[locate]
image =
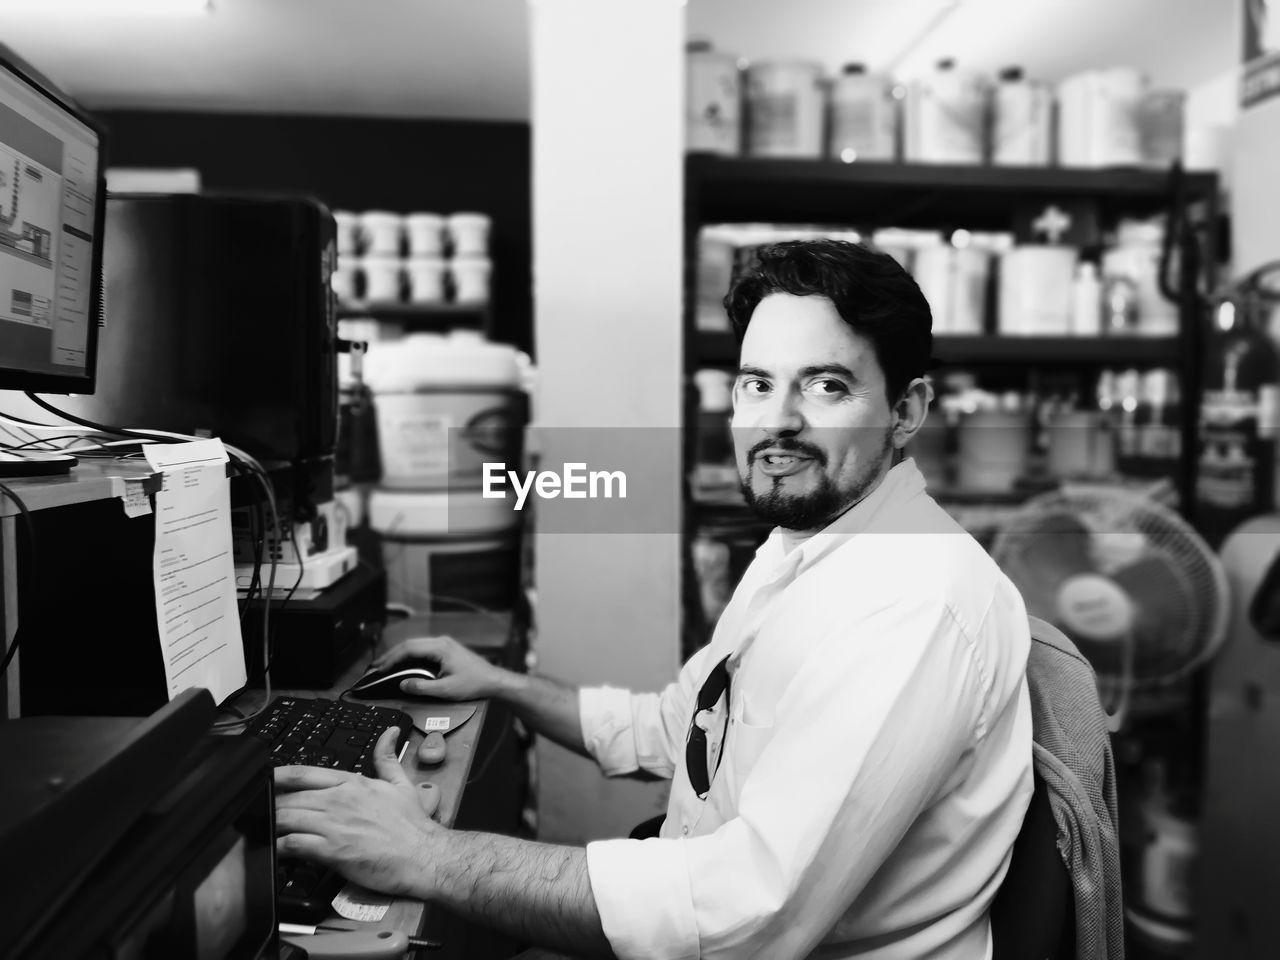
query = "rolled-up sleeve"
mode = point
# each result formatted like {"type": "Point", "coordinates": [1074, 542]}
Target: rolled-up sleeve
{"type": "Point", "coordinates": [864, 737]}
{"type": "Point", "coordinates": [625, 732]}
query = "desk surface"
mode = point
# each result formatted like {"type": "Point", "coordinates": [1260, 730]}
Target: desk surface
{"type": "Point", "coordinates": [452, 775]}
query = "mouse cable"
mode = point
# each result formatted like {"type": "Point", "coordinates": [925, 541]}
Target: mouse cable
{"type": "Point", "coordinates": [32, 564]}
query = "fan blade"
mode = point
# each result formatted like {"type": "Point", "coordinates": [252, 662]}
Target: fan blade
{"type": "Point", "coordinates": [1165, 615]}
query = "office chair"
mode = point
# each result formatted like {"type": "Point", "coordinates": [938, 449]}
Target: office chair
{"type": "Point", "coordinates": [1033, 914]}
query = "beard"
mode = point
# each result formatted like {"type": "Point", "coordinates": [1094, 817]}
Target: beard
{"type": "Point", "coordinates": [818, 507]}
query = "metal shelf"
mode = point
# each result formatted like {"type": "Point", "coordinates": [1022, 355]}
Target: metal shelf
{"type": "Point", "coordinates": [732, 189]}
{"type": "Point", "coordinates": [721, 350]}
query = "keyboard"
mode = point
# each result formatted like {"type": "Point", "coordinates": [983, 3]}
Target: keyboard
{"type": "Point", "coordinates": [326, 733]}
{"type": "Point", "coordinates": [320, 733]}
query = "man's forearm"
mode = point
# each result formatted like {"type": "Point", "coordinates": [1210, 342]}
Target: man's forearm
{"type": "Point", "coordinates": [536, 892]}
{"type": "Point", "coordinates": [548, 707]}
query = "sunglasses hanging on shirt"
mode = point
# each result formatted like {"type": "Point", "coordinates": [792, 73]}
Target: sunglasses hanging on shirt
{"type": "Point", "coordinates": [695, 750]}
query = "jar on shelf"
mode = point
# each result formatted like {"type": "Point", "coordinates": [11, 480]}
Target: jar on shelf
{"type": "Point", "coordinates": [864, 116]}
{"type": "Point", "coordinates": [1136, 257]}
{"type": "Point", "coordinates": [786, 107]}
{"type": "Point", "coordinates": [713, 100]}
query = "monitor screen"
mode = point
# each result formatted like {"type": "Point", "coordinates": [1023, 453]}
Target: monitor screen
{"type": "Point", "coordinates": [50, 235]}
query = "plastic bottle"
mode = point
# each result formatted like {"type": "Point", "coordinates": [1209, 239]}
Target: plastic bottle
{"type": "Point", "coordinates": [945, 117]}
{"type": "Point", "coordinates": [1120, 306]}
{"type": "Point", "coordinates": [1159, 436]}
{"type": "Point", "coordinates": [1127, 390]}
{"type": "Point", "coordinates": [1086, 301]}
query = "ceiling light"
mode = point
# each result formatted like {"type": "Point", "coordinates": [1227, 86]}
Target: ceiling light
{"type": "Point", "coordinates": [104, 9]}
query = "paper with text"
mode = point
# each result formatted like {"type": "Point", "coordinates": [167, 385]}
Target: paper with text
{"type": "Point", "coordinates": [194, 575]}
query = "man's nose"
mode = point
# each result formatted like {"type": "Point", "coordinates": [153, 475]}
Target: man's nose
{"type": "Point", "coordinates": [782, 416]}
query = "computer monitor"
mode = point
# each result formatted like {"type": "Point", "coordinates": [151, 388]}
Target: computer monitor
{"type": "Point", "coordinates": [52, 194]}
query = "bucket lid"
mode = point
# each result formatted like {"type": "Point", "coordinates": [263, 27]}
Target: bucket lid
{"type": "Point", "coordinates": [444, 514]}
{"type": "Point", "coordinates": [435, 360]}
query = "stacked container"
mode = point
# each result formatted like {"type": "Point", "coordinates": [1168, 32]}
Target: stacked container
{"type": "Point", "coordinates": [423, 259]}
{"type": "Point", "coordinates": [446, 406]}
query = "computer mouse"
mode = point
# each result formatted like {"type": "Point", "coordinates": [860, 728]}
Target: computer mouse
{"type": "Point", "coordinates": [385, 683]}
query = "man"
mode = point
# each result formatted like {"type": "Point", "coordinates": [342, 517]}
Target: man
{"type": "Point", "coordinates": [850, 755]}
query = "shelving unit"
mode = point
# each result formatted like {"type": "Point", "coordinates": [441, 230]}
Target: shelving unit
{"type": "Point", "coordinates": [866, 196]}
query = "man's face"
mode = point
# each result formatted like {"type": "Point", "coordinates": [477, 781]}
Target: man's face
{"type": "Point", "coordinates": [812, 426]}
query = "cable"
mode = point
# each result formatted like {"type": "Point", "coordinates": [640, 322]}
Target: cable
{"type": "Point", "coordinates": [80, 421]}
{"type": "Point", "coordinates": [33, 566]}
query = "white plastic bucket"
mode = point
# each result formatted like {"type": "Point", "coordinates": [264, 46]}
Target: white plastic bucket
{"type": "Point", "coordinates": [470, 279]}
{"type": "Point", "coordinates": [381, 279]}
{"type": "Point", "coordinates": [1037, 291]}
{"type": "Point", "coordinates": [1098, 119]}
{"type": "Point", "coordinates": [445, 406]}
{"type": "Point", "coordinates": [469, 233]}
{"type": "Point", "coordinates": [381, 230]}
{"type": "Point", "coordinates": [954, 281]}
{"type": "Point", "coordinates": [447, 550]}
{"type": "Point", "coordinates": [1022, 127]}
{"type": "Point", "coordinates": [426, 279]}
{"type": "Point", "coordinates": [425, 232]}
{"type": "Point", "coordinates": [944, 119]}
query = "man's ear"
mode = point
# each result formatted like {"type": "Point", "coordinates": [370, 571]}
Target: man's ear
{"type": "Point", "coordinates": [910, 411]}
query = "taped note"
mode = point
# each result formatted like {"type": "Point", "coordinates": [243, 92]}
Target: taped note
{"type": "Point", "coordinates": [196, 610]}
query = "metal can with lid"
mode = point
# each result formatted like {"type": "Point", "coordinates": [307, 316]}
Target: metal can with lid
{"type": "Point", "coordinates": [864, 116]}
{"type": "Point", "coordinates": [786, 105]}
{"type": "Point", "coordinates": [713, 101]}
{"type": "Point", "coordinates": [1022, 123]}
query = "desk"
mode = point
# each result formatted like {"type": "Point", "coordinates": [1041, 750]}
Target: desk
{"type": "Point", "coordinates": [490, 801]}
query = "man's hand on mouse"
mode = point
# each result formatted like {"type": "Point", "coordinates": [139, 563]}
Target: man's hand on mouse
{"type": "Point", "coordinates": [460, 673]}
{"type": "Point", "coordinates": [378, 833]}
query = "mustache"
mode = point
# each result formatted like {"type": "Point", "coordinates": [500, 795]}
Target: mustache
{"type": "Point", "coordinates": [789, 445]}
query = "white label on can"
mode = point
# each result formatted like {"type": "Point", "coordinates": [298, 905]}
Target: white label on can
{"type": "Point", "coordinates": [775, 120]}
{"type": "Point", "coordinates": [415, 444]}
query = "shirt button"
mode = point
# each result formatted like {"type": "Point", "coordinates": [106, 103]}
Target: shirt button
{"type": "Point", "coordinates": [685, 830]}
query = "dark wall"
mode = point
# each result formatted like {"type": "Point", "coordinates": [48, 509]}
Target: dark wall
{"type": "Point", "coordinates": [356, 163]}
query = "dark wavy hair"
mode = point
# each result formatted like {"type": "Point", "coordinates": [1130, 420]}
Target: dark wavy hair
{"type": "Point", "coordinates": [870, 291]}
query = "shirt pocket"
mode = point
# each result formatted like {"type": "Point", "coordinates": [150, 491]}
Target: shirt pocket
{"type": "Point", "coordinates": [744, 744]}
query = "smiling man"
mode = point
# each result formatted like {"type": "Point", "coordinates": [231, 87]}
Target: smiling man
{"type": "Point", "coordinates": [850, 756]}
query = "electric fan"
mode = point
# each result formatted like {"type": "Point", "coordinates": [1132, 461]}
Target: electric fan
{"type": "Point", "coordinates": [1130, 582]}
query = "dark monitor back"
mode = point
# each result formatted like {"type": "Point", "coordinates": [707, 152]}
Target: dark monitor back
{"type": "Point", "coordinates": [219, 319]}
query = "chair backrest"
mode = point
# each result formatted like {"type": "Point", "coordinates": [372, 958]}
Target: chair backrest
{"type": "Point", "coordinates": [1033, 915]}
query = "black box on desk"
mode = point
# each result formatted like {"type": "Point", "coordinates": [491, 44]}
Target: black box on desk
{"type": "Point", "coordinates": [317, 638]}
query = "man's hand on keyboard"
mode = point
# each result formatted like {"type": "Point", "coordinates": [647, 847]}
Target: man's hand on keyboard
{"type": "Point", "coordinates": [461, 674]}
{"type": "Point", "coordinates": [375, 832]}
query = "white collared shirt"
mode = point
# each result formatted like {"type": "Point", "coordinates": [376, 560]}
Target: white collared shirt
{"type": "Point", "coordinates": [877, 764]}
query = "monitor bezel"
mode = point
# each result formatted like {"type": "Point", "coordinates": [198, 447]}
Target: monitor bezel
{"type": "Point", "coordinates": [65, 383]}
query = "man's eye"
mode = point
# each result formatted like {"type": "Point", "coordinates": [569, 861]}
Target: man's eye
{"type": "Point", "coordinates": [829, 387]}
{"type": "Point", "coordinates": [756, 387]}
